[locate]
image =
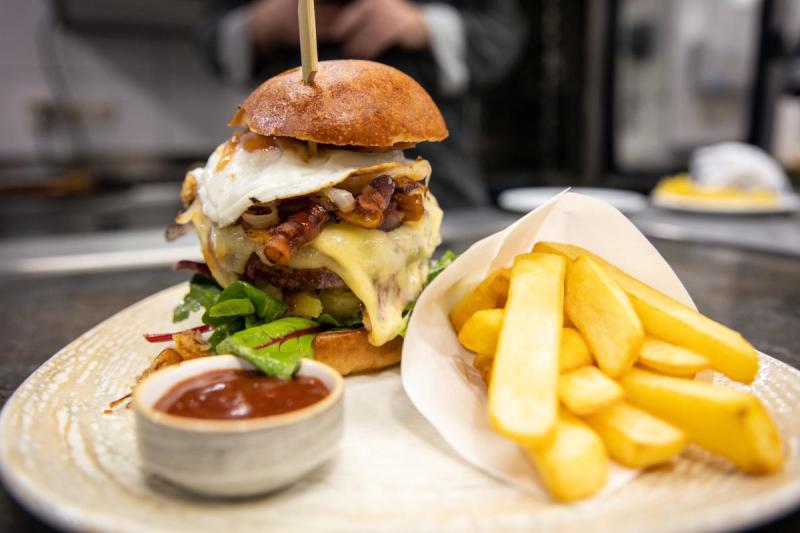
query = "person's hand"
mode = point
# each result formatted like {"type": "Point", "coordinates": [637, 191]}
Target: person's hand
{"type": "Point", "coordinates": [367, 28]}
{"type": "Point", "coordinates": [274, 22]}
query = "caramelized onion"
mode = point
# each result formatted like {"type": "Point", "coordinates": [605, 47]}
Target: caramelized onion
{"type": "Point", "coordinates": [342, 199]}
{"type": "Point", "coordinates": [261, 221]}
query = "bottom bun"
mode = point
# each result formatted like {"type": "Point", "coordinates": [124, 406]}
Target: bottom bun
{"type": "Point", "coordinates": [349, 351]}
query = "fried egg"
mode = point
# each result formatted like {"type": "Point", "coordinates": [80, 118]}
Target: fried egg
{"type": "Point", "coordinates": [234, 177]}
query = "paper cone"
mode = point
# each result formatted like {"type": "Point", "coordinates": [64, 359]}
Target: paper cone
{"type": "Point", "coordinates": [437, 372]}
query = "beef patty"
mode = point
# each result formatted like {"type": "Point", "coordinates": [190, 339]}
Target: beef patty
{"type": "Point", "coordinates": [307, 279]}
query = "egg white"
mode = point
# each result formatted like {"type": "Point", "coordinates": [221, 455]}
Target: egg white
{"type": "Point", "coordinates": [282, 171]}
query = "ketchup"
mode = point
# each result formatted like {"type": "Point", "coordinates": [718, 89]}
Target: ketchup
{"type": "Point", "coordinates": [235, 394]}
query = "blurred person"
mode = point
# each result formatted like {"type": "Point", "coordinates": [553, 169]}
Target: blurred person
{"type": "Point", "coordinates": [452, 48]}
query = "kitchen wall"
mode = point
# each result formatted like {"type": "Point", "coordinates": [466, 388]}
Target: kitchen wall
{"type": "Point", "coordinates": [137, 95]}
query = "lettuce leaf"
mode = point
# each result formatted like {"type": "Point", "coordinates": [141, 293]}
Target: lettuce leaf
{"type": "Point", "coordinates": [203, 293]}
{"type": "Point", "coordinates": [275, 348]}
{"type": "Point", "coordinates": [330, 320]}
{"type": "Point", "coordinates": [435, 267]}
{"type": "Point", "coordinates": [232, 307]}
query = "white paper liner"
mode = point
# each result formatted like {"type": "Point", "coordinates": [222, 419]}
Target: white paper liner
{"type": "Point", "coordinates": [437, 371]}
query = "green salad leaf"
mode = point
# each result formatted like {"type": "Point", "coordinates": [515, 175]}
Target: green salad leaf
{"type": "Point", "coordinates": [435, 267]}
{"type": "Point", "coordinates": [330, 320]}
{"type": "Point", "coordinates": [221, 332]}
{"type": "Point", "coordinates": [232, 307]}
{"type": "Point", "coordinates": [265, 306]}
{"type": "Point", "coordinates": [238, 306]}
{"type": "Point", "coordinates": [275, 348]}
{"type": "Point", "coordinates": [203, 292]}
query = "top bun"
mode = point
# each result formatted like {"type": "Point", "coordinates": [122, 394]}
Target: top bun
{"type": "Point", "coordinates": [349, 103]}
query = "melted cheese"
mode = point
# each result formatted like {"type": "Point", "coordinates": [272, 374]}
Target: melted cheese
{"type": "Point", "coordinates": [234, 178]}
{"type": "Point", "coordinates": [385, 270]}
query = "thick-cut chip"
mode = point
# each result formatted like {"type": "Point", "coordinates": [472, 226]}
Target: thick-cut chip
{"type": "Point", "coordinates": [636, 438]}
{"type": "Point", "coordinates": [574, 464]}
{"type": "Point", "coordinates": [481, 331]}
{"type": "Point", "coordinates": [482, 359]}
{"type": "Point", "coordinates": [601, 311]}
{"type": "Point", "coordinates": [574, 351]}
{"type": "Point", "coordinates": [671, 321]}
{"type": "Point", "coordinates": [725, 421]}
{"type": "Point", "coordinates": [484, 366]}
{"type": "Point", "coordinates": [670, 359]}
{"type": "Point", "coordinates": [587, 390]}
{"type": "Point", "coordinates": [489, 294]}
{"type": "Point", "coordinates": [523, 396]}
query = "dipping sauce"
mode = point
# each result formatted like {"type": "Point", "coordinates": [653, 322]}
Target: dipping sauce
{"type": "Point", "coordinates": [227, 394]}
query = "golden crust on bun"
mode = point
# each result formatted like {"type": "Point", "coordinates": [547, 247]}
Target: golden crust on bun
{"type": "Point", "coordinates": [350, 103]}
{"type": "Point", "coordinates": [349, 351]}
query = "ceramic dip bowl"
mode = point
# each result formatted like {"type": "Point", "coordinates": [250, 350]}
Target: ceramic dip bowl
{"type": "Point", "coordinates": [235, 457]}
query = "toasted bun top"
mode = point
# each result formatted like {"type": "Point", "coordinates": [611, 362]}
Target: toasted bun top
{"type": "Point", "coordinates": [350, 102]}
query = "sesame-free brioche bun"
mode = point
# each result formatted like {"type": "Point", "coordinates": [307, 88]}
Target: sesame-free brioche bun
{"type": "Point", "coordinates": [349, 103]}
{"type": "Point", "coordinates": [349, 351]}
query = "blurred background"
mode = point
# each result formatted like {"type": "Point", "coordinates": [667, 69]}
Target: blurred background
{"type": "Point", "coordinates": [106, 103]}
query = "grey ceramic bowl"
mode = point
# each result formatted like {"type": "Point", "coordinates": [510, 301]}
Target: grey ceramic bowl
{"type": "Point", "coordinates": [235, 457]}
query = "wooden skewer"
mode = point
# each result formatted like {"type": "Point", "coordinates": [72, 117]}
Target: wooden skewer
{"type": "Point", "coordinates": [308, 48]}
{"type": "Point", "coordinates": [308, 39]}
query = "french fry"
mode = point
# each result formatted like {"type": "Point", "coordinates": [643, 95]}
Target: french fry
{"type": "Point", "coordinates": [482, 359]}
{"type": "Point", "coordinates": [480, 333]}
{"type": "Point", "coordinates": [729, 422]}
{"type": "Point", "coordinates": [673, 322]}
{"type": "Point", "coordinates": [574, 351]}
{"type": "Point", "coordinates": [483, 363]}
{"type": "Point", "coordinates": [670, 359]}
{"type": "Point", "coordinates": [601, 311]}
{"type": "Point", "coordinates": [523, 396]}
{"type": "Point", "coordinates": [636, 438]}
{"type": "Point", "coordinates": [574, 464]}
{"type": "Point", "coordinates": [489, 294]}
{"type": "Point", "coordinates": [587, 390]}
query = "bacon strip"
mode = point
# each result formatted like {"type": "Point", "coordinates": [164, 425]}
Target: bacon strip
{"type": "Point", "coordinates": [371, 203]}
{"type": "Point", "coordinates": [300, 228]}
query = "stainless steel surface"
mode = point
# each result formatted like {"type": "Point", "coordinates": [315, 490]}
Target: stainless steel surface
{"type": "Point", "coordinates": [138, 249]}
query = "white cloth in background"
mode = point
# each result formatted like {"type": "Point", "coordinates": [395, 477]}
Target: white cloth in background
{"type": "Point", "coordinates": [737, 165]}
{"type": "Point", "coordinates": [234, 50]}
{"type": "Point", "coordinates": [448, 41]}
{"type": "Point", "coordinates": [446, 32]}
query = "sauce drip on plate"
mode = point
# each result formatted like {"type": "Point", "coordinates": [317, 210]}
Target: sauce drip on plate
{"type": "Point", "coordinates": [235, 394]}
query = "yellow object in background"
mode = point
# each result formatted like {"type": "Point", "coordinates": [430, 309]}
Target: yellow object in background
{"type": "Point", "coordinates": [636, 438]}
{"type": "Point", "coordinates": [682, 187]}
{"type": "Point", "coordinates": [729, 422]}
{"type": "Point", "coordinates": [523, 395]}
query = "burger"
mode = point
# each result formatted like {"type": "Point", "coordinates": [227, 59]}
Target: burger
{"type": "Point", "coordinates": [313, 201]}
